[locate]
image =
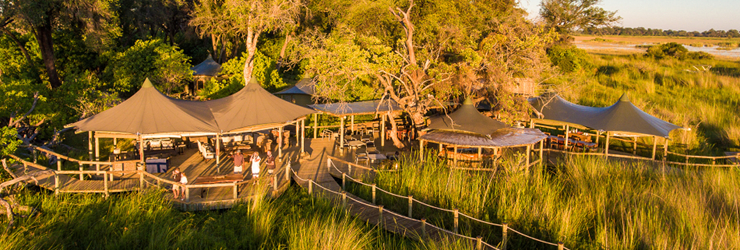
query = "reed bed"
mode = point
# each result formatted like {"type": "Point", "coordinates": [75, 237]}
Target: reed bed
{"type": "Point", "coordinates": [586, 203]}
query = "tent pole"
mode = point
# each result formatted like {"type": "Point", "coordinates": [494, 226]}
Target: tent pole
{"type": "Point", "coordinates": [655, 145]}
{"type": "Point", "coordinates": [480, 156]}
{"type": "Point", "coordinates": [665, 149]}
{"type": "Point", "coordinates": [141, 150]}
{"type": "Point", "coordinates": [303, 136]}
{"type": "Point", "coordinates": [218, 151]}
{"type": "Point", "coordinates": [606, 147]}
{"type": "Point", "coordinates": [280, 141]}
{"type": "Point", "coordinates": [115, 141]}
{"type": "Point", "coordinates": [89, 145]}
{"type": "Point", "coordinates": [97, 148]}
{"type": "Point", "coordinates": [421, 150]}
{"type": "Point", "coordinates": [315, 124]}
{"type": "Point", "coordinates": [598, 134]}
{"type": "Point", "coordinates": [382, 131]}
{"type": "Point", "coordinates": [529, 153]}
{"type": "Point", "coordinates": [567, 131]}
{"type": "Point", "coordinates": [531, 123]}
{"type": "Point", "coordinates": [341, 133]}
{"type": "Point", "coordinates": [297, 130]}
{"type": "Point", "coordinates": [542, 147]}
{"type": "Point", "coordinates": [352, 126]}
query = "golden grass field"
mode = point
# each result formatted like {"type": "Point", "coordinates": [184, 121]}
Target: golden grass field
{"type": "Point", "coordinates": [713, 41]}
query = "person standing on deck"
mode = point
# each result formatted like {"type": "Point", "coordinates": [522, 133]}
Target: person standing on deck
{"type": "Point", "coordinates": [255, 165]}
{"type": "Point", "coordinates": [238, 162]}
{"type": "Point", "coordinates": [270, 162]}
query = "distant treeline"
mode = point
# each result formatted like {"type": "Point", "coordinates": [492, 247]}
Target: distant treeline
{"type": "Point", "coordinates": [640, 31]}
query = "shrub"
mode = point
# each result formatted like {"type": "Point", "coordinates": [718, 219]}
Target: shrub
{"type": "Point", "coordinates": [570, 59]}
{"type": "Point", "coordinates": [667, 50]}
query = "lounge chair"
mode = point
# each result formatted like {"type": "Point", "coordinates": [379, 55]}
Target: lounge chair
{"type": "Point", "coordinates": [206, 151]}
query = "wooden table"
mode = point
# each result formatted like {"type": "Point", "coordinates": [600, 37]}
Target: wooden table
{"type": "Point", "coordinates": [214, 179]}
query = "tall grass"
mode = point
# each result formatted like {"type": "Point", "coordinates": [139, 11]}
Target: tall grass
{"type": "Point", "coordinates": [587, 202]}
{"type": "Point", "coordinates": [147, 221]}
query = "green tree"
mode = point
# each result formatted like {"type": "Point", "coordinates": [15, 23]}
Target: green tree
{"type": "Point", "coordinates": [165, 65]}
{"type": "Point", "coordinates": [567, 15]}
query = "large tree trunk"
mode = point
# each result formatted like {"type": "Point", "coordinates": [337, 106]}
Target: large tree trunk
{"type": "Point", "coordinates": [252, 37]}
{"type": "Point", "coordinates": [46, 46]}
{"type": "Point", "coordinates": [282, 51]}
{"type": "Point", "coordinates": [394, 131]}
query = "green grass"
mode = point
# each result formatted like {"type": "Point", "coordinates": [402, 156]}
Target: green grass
{"type": "Point", "coordinates": [146, 221]}
{"type": "Point", "coordinates": [588, 203]}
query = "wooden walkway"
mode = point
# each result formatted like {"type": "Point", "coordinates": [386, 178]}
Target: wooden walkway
{"type": "Point", "coordinates": [314, 167]}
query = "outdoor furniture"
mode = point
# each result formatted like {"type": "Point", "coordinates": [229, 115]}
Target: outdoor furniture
{"type": "Point", "coordinates": [327, 134]}
{"type": "Point", "coordinates": [361, 157]}
{"type": "Point", "coordinates": [355, 144]}
{"type": "Point", "coordinates": [371, 150]}
{"type": "Point", "coordinates": [376, 157]}
{"type": "Point", "coordinates": [206, 151]}
{"type": "Point", "coordinates": [156, 165]}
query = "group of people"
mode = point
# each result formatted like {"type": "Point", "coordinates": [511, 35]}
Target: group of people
{"type": "Point", "coordinates": [255, 160]}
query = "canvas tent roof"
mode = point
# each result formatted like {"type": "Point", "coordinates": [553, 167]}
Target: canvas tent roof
{"type": "Point", "coordinates": [305, 86]}
{"type": "Point", "coordinates": [622, 116]}
{"type": "Point", "coordinates": [208, 67]}
{"type": "Point", "coordinates": [466, 119]}
{"type": "Point", "coordinates": [505, 137]}
{"type": "Point", "coordinates": [151, 112]}
{"type": "Point", "coordinates": [357, 108]}
{"type": "Point", "coordinates": [253, 106]}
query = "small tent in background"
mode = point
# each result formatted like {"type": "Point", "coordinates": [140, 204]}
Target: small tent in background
{"type": "Point", "coordinates": [301, 93]}
{"type": "Point", "coordinates": [203, 72]}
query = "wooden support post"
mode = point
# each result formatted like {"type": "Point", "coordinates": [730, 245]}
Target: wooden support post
{"type": "Point", "coordinates": [561, 246]}
{"type": "Point", "coordinates": [606, 146]}
{"type": "Point", "coordinates": [542, 150]}
{"type": "Point", "coordinates": [454, 155]}
{"type": "Point", "coordinates": [187, 193]}
{"type": "Point", "coordinates": [352, 124]}
{"type": "Point", "coordinates": [315, 125]}
{"type": "Point", "coordinates": [141, 151]}
{"type": "Point", "coordinates": [423, 227]}
{"type": "Point", "coordinates": [236, 191]}
{"type": "Point", "coordinates": [341, 133]}
{"type": "Point", "coordinates": [287, 171]}
{"type": "Point", "coordinates": [218, 153]}
{"type": "Point", "coordinates": [480, 154]}
{"type": "Point", "coordinates": [81, 176]}
{"type": "Point", "coordinates": [504, 235]}
{"type": "Point", "coordinates": [344, 200]}
{"type": "Point", "coordinates": [598, 134]}
{"type": "Point", "coordinates": [97, 149]}
{"type": "Point", "coordinates": [303, 137]}
{"type": "Point", "coordinates": [665, 149]}
{"type": "Point", "coordinates": [411, 204]}
{"type": "Point", "coordinates": [115, 142]}
{"type": "Point", "coordinates": [297, 132]}
{"type": "Point", "coordinates": [280, 142]}
{"type": "Point", "coordinates": [274, 183]}
{"type": "Point", "coordinates": [457, 213]}
{"type": "Point", "coordinates": [421, 150]}
{"type": "Point", "coordinates": [89, 144]}
{"type": "Point", "coordinates": [634, 146]}
{"type": "Point", "coordinates": [59, 164]}
{"type": "Point", "coordinates": [344, 180]}
{"type": "Point", "coordinates": [105, 186]}
{"type": "Point", "coordinates": [531, 124]}
{"type": "Point", "coordinates": [567, 134]}
{"type": "Point", "coordinates": [380, 215]}
{"type": "Point", "coordinates": [655, 146]}
{"type": "Point", "coordinates": [310, 186]}
{"type": "Point", "coordinates": [529, 153]}
{"type": "Point", "coordinates": [56, 184]}
{"type": "Point", "coordinates": [382, 130]}
{"type": "Point", "coordinates": [141, 180]}
{"type": "Point", "coordinates": [374, 187]}
{"type": "Point", "coordinates": [478, 243]}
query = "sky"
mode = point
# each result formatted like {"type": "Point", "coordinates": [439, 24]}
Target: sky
{"type": "Point", "coordinates": [689, 15]}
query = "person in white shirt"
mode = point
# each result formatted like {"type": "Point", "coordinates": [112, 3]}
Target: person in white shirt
{"type": "Point", "coordinates": [183, 181]}
{"type": "Point", "coordinates": [255, 165]}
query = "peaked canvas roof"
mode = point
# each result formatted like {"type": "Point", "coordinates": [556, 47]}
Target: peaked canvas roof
{"type": "Point", "coordinates": [357, 108]}
{"type": "Point", "coordinates": [466, 119]}
{"type": "Point", "coordinates": [622, 116]}
{"type": "Point", "coordinates": [253, 106]}
{"type": "Point", "coordinates": [505, 137]}
{"type": "Point", "coordinates": [208, 67]}
{"type": "Point", "coordinates": [305, 86]}
{"type": "Point", "coordinates": [150, 112]}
